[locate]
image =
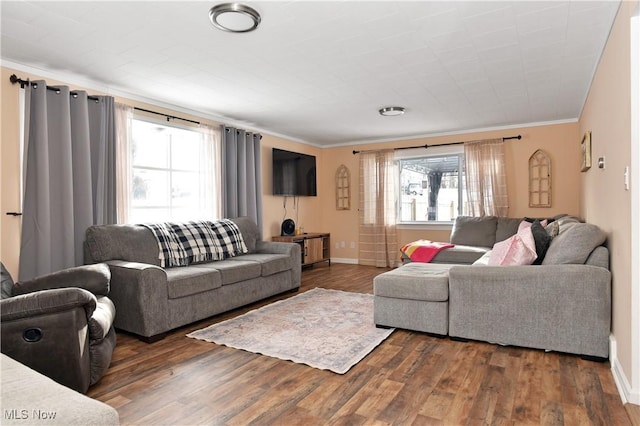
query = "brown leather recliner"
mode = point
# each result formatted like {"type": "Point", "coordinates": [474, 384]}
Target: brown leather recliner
{"type": "Point", "coordinates": [60, 324]}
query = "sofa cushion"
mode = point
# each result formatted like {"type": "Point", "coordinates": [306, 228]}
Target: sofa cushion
{"type": "Point", "coordinates": [574, 243]}
{"type": "Point", "coordinates": [133, 243]}
{"type": "Point", "coordinates": [187, 280]}
{"type": "Point", "coordinates": [249, 230]}
{"type": "Point", "coordinates": [519, 249]}
{"type": "Point", "coordinates": [475, 231]}
{"type": "Point", "coordinates": [506, 227]}
{"type": "Point", "coordinates": [236, 270]}
{"type": "Point", "coordinates": [414, 281]}
{"type": "Point", "coordinates": [269, 263]}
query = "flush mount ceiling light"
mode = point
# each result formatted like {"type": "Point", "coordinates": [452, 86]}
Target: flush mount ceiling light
{"type": "Point", "coordinates": [234, 17]}
{"type": "Point", "coordinates": [391, 111]}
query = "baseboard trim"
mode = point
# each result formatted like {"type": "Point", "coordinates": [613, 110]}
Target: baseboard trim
{"type": "Point", "coordinates": [627, 393]}
{"type": "Point", "coordinates": [347, 260]}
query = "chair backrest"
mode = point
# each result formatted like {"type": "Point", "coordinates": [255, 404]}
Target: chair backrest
{"type": "Point", "coordinates": [7, 282]}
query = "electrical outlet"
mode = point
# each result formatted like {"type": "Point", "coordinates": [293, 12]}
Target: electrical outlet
{"type": "Point", "coordinates": [342, 244]}
{"type": "Point", "coordinates": [353, 244]}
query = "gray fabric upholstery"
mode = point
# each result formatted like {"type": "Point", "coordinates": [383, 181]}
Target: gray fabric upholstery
{"type": "Point", "coordinates": [269, 263]}
{"type": "Point", "coordinates": [134, 243]}
{"type": "Point", "coordinates": [413, 297]}
{"type": "Point", "coordinates": [564, 308]}
{"type": "Point", "coordinates": [507, 227]}
{"type": "Point", "coordinates": [428, 317]}
{"type": "Point", "coordinates": [94, 278]}
{"type": "Point", "coordinates": [249, 231]}
{"type": "Point", "coordinates": [475, 231]}
{"type": "Point", "coordinates": [151, 300]}
{"type": "Point", "coordinates": [574, 243]}
{"type": "Point", "coordinates": [6, 281]}
{"type": "Point", "coordinates": [416, 281]}
{"type": "Point", "coordinates": [26, 392]}
{"type": "Point", "coordinates": [236, 270]}
{"type": "Point", "coordinates": [66, 322]}
{"type": "Point", "coordinates": [196, 279]}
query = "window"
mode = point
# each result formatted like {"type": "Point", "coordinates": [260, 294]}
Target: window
{"type": "Point", "coordinates": [431, 187]}
{"type": "Point", "coordinates": [171, 173]}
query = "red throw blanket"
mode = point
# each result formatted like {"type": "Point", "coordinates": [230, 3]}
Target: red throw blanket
{"type": "Point", "coordinates": [424, 250]}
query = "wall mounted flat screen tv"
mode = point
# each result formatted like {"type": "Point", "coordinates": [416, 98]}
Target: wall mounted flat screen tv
{"type": "Point", "coordinates": [294, 174]}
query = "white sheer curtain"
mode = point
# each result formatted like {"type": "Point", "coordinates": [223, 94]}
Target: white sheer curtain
{"type": "Point", "coordinates": [211, 165]}
{"type": "Point", "coordinates": [378, 194]}
{"type": "Point", "coordinates": [124, 116]}
{"type": "Point", "coordinates": [486, 181]}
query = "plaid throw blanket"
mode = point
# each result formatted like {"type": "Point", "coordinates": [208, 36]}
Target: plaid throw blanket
{"type": "Point", "coordinates": [171, 252]}
{"type": "Point", "coordinates": [185, 243]}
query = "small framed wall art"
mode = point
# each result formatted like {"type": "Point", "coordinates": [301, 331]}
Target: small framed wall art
{"type": "Point", "coordinates": [585, 146]}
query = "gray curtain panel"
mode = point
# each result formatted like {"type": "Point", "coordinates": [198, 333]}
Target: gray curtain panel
{"type": "Point", "coordinates": [69, 176]}
{"type": "Point", "coordinates": [241, 174]}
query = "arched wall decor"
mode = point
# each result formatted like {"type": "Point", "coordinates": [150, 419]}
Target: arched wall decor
{"type": "Point", "coordinates": [539, 179]}
{"type": "Point", "coordinates": [343, 188]}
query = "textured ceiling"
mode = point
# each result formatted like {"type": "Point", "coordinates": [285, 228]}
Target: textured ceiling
{"type": "Point", "coordinates": [319, 71]}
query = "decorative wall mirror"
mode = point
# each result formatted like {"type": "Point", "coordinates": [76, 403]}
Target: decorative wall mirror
{"type": "Point", "coordinates": [343, 188]}
{"type": "Point", "coordinates": [539, 179]}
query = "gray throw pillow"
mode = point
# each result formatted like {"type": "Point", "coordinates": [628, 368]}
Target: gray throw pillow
{"type": "Point", "coordinates": [574, 243]}
{"type": "Point", "coordinates": [475, 231]}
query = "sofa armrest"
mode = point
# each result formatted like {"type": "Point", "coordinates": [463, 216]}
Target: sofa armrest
{"type": "Point", "coordinates": [94, 278]}
{"type": "Point", "coordinates": [48, 331]}
{"type": "Point", "coordinates": [140, 295]}
{"type": "Point", "coordinates": [47, 302]}
{"type": "Point", "coordinates": [273, 247]}
{"type": "Point", "coordinates": [291, 249]}
{"type": "Point", "coordinates": [565, 308]}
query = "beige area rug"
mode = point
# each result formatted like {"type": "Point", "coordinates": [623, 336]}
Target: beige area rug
{"type": "Point", "coordinates": [326, 329]}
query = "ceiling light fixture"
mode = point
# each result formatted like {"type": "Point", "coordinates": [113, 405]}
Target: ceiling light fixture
{"type": "Point", "coordinates": [391, 111]}
{"type": "Point", "coordinates": [234, 17]}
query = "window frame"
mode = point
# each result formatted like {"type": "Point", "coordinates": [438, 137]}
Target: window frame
{"type": "Point", "coordinates": [169, 169]}
{"type": "Point", "coordinates": [431, 151]}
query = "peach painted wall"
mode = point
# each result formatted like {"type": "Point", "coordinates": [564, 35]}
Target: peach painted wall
{"type": "Point", "coordinates": [305, 211]}
{"type": "Point", "coordinates": [560, 141]}
{"type": "Point", "coordinates": [605, 202]}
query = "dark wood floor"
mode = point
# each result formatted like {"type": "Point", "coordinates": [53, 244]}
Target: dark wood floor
{"type": "Point", "coordinates": [410, 379]}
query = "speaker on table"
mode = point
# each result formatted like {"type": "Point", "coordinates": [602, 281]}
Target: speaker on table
{"type": "Point", "coordinates": [288, 227]}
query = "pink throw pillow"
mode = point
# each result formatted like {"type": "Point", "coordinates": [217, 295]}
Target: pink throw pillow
{"type": "Point", "coordinates": [519, 249]}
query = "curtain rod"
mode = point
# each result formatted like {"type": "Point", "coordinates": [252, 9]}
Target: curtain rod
{"type": "Point", "coordinates": [169, 117]}
{"type": "Point", "coordinates": [14, 79]}
{"type": "Point", "coordinates": [427, 146]}
{"type": "Point", "coordinates": [23, 83]}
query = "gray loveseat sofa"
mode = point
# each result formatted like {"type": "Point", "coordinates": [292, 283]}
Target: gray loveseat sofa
{"type": "Point", "coordinates": [151, 300]}
{"type": "Point", "coordinates": [563, 305]}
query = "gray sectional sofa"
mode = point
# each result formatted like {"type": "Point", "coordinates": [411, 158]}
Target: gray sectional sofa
{"type": "Point", "coordinates": [151, 300]}
{"type": "Point", "coordinates": [563, 305]}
